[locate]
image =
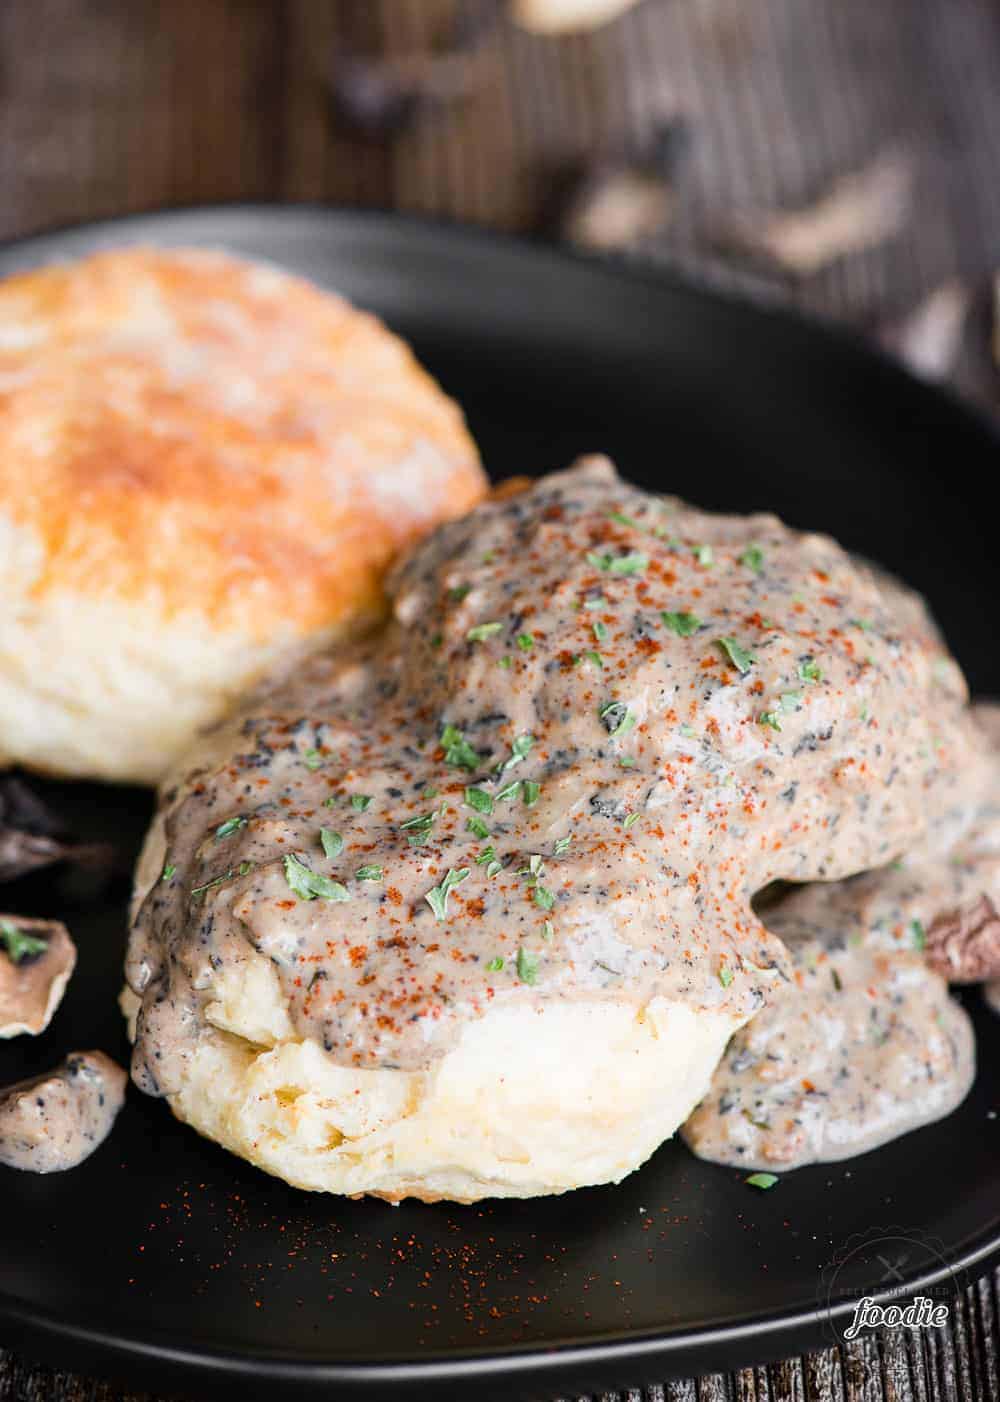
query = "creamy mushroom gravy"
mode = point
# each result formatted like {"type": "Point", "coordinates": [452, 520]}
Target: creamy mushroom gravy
{"type": "Point", "coordinates": [598, 722]}
{"type": "Point", "coordinates": [54, 1121]}
{"type": "Point", "coordinates": [864, 1043]}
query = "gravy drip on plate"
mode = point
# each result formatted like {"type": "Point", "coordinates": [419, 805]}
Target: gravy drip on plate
{"type": "Point", "coordinates": [598, 722]}
{"type": "Point", "coordinates": [864, 1043]}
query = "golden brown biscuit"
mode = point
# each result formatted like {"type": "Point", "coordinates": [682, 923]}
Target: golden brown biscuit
{"type": "Point", "coordinates": [205, 465]}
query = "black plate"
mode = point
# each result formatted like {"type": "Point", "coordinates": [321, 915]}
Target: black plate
{"type": "Point", "coordinates": [165, 1260]}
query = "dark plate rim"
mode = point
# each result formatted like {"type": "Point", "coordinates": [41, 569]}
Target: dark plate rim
{"type": "Point", "coordinates": [678, 1352]}
{"type": "Point", "coordinates": [779, 1330]}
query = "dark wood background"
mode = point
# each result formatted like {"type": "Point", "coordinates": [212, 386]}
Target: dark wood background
{"type": "Point", "coordinates": [108, 106]}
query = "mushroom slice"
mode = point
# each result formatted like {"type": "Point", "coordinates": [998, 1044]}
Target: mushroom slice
{"type": "Point", "coordinates": [54, 1121]}
{"type": "Point", "coordinates": [37, 958]}
{"type": "Point", "coordinates": [963, 945]}
{"type": "Point", "coordinates": [860, 210]}
{"type": "Point", "coordinates": [567, 16]}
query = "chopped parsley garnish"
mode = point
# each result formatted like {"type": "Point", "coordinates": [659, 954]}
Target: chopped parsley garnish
{"type": "Point", "coordinates": [530, 791]}
{"type": "Point", "coordinates": [544, 898]}
{"type": "Point", "coordinates": [527, 966]}
{"type": "Point", "coordinates": [617, 718]}
{"type": "Point", "coordinates": [19, 945]}
{"type": "Point", "coordinates": [418, 827]}
{"type": "Point", "coordinates": [369, 873]}
{"type": "Point", "coordinates": [479, 799]}
{"type": "Point", "coordinates": [457, 751]}
{"type": "Point", "coordinates": [360, 801]}
{"type": "Point", "coordinates": [753, 558]}
{"type": "Point", "coordinates": [313, 759]}
{"type": "Point", "coordinates": [525, 642]}
{"type": "Point", "coordinates": [333, 843]}
{"type": "Point", "coordinates": [505, 662]}
{"type": "Point", "coordinates": [486, 855]}
{"type": "Point", "coordinates": [519, 750]}
{"type": "Point", "coordinates": [597, 602]}
{"type": "Point", "coordinates": [495, 965]}
{"type": "Point", "coordinates": [683, 624]}
{"type": "Point", "coordinates": [861, 623]}
{"type": "Point", "coordinates": [561, 845]}
{"type": "Point", "coordinates": [762, 1180]}
{"type": "Point", "coordinates": [494, 869]}
{"type": "Point", "coordinates": [309, 885]}
{"type": "Point", "coordinates": [632, 819]}
{"type": "Point", "coordinates": [477, 827]}
{"type": "Point", "coordinates": [437, 896]}
{"type": "Point", "coordinates": [769, 718]}
{"type": "Point", "coordinates": [231, 825]}
{"type": "Point", "coordinates": [705, 556]}
{"type": "Point", "coordinates": [511, 790]}
{"type": "Point", "coordinates": [633, 563]}
{"type": "Point", "coordinates": [919, 934]}
{"type": "Point", "coordinates": [791, 700]}
{"type": "Point", "coordinates": [600, 631]}
{"type": "Point", "coordinates": [738, 656]}
{"type": "Point", "coordinates": [168, 871]}
{"type": "Point", "coordinates": [482, 631]}
{"type": "Point", "coordinates": [725, 975]}
{"type": "Point", "coordinates": [624, 520]}
{"type": "Point", "coordinates": [241, 870]}
{"type": "Point", "coordinates": [548, 931]}
{"type": "Point", "coordinates": [809, 671]}
{"type": "Point", "coordinates": [459, 592]}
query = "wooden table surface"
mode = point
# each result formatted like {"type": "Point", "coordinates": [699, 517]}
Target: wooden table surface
{"type": "Point", "coordinates": [108, 106]}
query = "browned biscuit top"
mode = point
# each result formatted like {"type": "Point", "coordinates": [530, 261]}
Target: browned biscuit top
{"type": "Point", "coordinates": [216, 436]}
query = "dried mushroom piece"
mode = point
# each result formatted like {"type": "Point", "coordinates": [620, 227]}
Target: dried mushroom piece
{"type": "Point", "coordinates": [623, 195]}
{"type": "Point", "coordinates": [858, 211]}
{"type": "Point", "coordinates": [37, 958]}
{"type": "Point", "coordinates": [566, 16]}
{"type": "Point", "coordinates": [616, 206]}
{"type": "Point", "coordinates": [32, 836]}
{"type": "Point", "coordinates": [54, 1121]}
{"type": "Point", "coordinates": [379, 94]}
{"type": "Point", "coordinates": [963, 945]}
{"type": "Point", "coordinates": [929, 339]}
